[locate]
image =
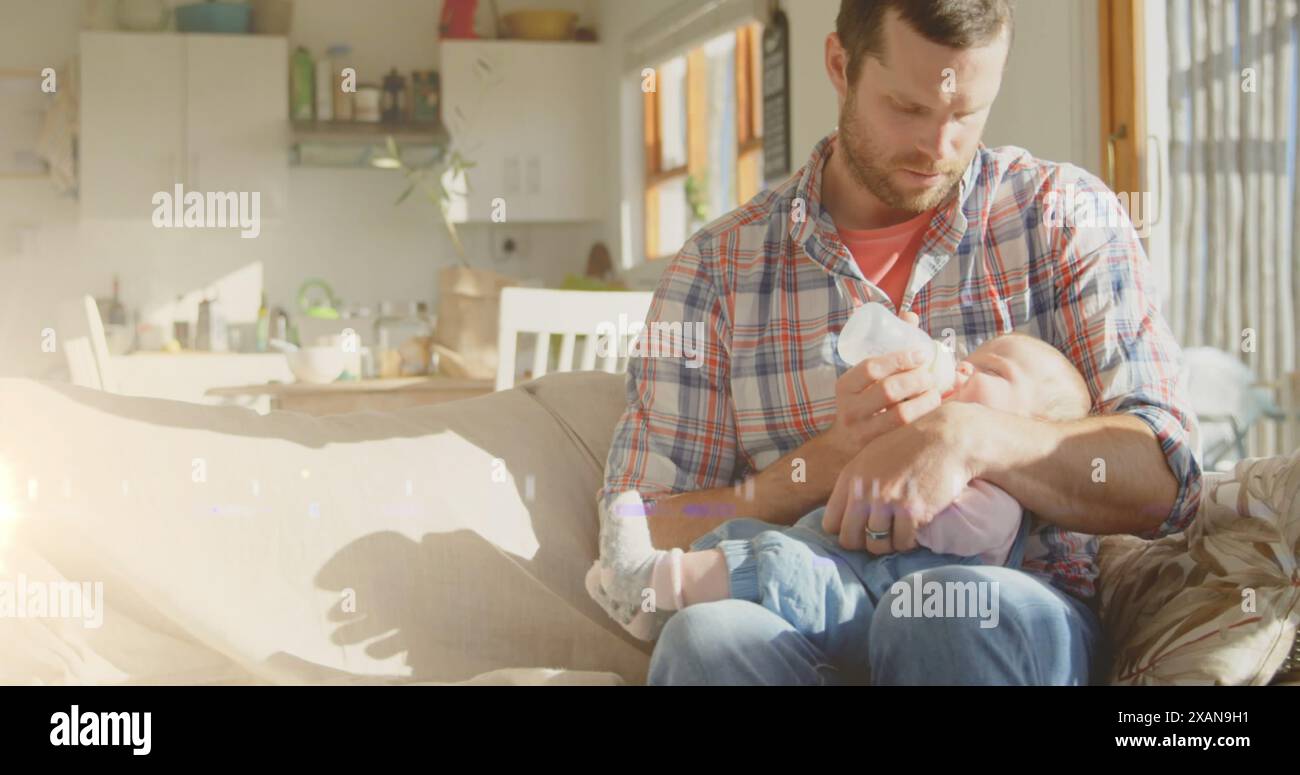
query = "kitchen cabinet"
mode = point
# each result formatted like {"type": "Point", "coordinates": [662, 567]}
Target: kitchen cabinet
{"type": "Point", "coordinates": [530, 117]}
{"type": "Point", "coordinates": [209, 112]}
{"type": "Point", "coordinates": [132, 121]}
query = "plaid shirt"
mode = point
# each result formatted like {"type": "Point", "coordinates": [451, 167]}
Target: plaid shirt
{"type": "Point", "coordinates": [772, 285]}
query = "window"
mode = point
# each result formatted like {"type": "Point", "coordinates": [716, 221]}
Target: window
{"type": "Point", "coordinates": [703, 137]}
{"type": "Point", "coordinates": [1221, 95]}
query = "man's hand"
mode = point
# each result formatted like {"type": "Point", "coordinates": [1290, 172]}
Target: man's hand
{"type": "Point", "coordinates": [878, 395]}
{"type": "Point", "coordinates": [902, 479]}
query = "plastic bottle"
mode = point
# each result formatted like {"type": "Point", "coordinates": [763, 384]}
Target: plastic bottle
{"type": "Point", "coordinates": [302, 86]}
{"type": "Point", "coordinates": [220, 336]}
{"type": "Point", "coordinates": [324, 89]}
{"type": "Point", "coordinates": [340, 54]}
{"type": "Point", "coordinates": [263, 326]}
{"type": "Point", "coordinates": [116, 312]}
{"type": "Point", "coordinates": [203, 327]}
{"type": "Point", "coordinates": [873, 330]}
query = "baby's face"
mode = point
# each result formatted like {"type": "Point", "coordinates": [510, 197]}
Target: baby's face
{"type": "Point", "coordinates": [1001, 374]}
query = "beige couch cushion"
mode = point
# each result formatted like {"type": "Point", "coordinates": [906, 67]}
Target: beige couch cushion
{"type": "Point", "coordinates": [431, 544]}
{"type": "Point", "coordinates": [1218, 604]}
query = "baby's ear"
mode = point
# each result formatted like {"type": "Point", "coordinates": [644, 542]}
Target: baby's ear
{"type": "Point", "coordinates": [910, 318]}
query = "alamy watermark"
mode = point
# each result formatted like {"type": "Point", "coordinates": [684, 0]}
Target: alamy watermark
{"type": "Point", "coordinates": [916, 598]}
{"type": "Point", "coordinates": [1099, 209]}
{"type": "Point", "coordinates": [181, 209]}
{"type": "Point", "coordinates": [29, 599]}
{"type": "Point", "coordinates": [633, 339]}
{"type": "Point", "coordinates": [78, 727]}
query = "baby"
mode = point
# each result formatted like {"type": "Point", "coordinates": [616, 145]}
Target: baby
{"type": "Point", "coordinates": [801, 573]}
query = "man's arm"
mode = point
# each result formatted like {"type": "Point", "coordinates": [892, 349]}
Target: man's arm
{"type": "Point", "coordinates": [1099, 475]}
{"type": "Point", "coordinates": [772, 495]}
{"type": "Point", "coordinates": [1107, 321]}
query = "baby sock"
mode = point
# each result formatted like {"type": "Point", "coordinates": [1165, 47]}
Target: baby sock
{"type": "Point", "coordinates": [629, 565]}
{"type": "Point", "coordinates": [642, 624]}
{"type": "Point", "coordinates": [627, 557]}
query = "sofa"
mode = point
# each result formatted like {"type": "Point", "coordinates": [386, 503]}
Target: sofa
{"type": "Point", "coordinates": [444, 544]}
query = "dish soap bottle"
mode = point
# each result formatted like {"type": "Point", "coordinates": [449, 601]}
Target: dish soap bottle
{"type": "Point", "coordinates": [220, 337]}
{"type": "Point", "coordinates": [302, 80]}
{"type": "Point", "coordinates": [203, 326]}
{"type": "Point", "coordinates": [263, 325]}
{"type": "Point", "coordinates": [873, 330]}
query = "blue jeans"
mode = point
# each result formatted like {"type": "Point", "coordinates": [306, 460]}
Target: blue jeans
{"type": "Point", "coordinates": [806, 611]}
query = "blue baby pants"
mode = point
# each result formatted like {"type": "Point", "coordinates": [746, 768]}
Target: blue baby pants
{"type": "Point", "coordinates": [830, 594]}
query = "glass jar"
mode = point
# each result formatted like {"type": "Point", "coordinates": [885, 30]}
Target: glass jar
{"type": "Point", "coordinates": [358, 330]}
{"type": "Point", "coordinates": [403, 340]}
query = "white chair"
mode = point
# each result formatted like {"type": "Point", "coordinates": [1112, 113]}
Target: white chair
{"type": "Point", "coordinates": [544, 312]}
{"type": "Point", "coordinates": [81, 335]}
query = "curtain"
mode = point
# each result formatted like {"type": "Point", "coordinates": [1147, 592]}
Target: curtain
{"type": "Point", "coordinates": [1235, 235]}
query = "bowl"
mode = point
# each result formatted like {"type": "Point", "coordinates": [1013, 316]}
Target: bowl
{"type": "Point", "coordinates": [214, 17]}
{"type": "Point", "coordinates": [142, 15]}
{"type": "Point", "coordinates": [317, 365]}
{"type": "Point", "coordinates": [540, 25]}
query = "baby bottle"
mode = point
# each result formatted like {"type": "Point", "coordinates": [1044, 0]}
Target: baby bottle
{"type": "Point", "coordinates": [873, 330]}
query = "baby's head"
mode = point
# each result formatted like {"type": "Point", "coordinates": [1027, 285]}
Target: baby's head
{"type": "Point", "coordinates": [1019, 374]}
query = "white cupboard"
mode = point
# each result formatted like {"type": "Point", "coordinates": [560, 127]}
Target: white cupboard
{"type": "Point", "coordinates": [529, 115]}
{"type": "Point", "coordinates": [209, 112]}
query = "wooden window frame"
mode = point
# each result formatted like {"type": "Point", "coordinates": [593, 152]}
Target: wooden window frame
{"type": "Point", "coordinates": [749, 109]}
{"type": "Point", "coordinates": [1123, 94]}
{"type": "Point", "coordinates": [749, 140]}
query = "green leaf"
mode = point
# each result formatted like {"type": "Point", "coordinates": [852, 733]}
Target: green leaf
{"type": "Point", "coordinates": [451, 230]}
{"type": "Point", "coordinates": [429, 179]}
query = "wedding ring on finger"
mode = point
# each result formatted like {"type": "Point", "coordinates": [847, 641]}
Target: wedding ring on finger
{"type": "Point", "coordinates": [878, 535]}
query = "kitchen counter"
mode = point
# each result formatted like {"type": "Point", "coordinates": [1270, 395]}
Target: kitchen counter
{"type": "Point", "coordinates": [189, 374]}
{"type": "Point", "coordinates": [366, 395]}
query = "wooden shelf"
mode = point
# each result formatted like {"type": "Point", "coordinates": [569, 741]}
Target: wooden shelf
{"type": "Point", "coordinates": [406, 132]}
{"type": "Point", "coordinates": [368, 395]}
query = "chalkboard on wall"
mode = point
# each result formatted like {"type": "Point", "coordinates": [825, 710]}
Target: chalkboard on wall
{"type": "Point", "coordinates": [776, 98]}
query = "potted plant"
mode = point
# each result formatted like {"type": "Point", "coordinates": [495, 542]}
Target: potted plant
{"type": "Point", "coordinates": [469, 299]}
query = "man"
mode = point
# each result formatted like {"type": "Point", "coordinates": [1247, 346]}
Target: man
{"type": "Point", "coordinates": [904, 206]}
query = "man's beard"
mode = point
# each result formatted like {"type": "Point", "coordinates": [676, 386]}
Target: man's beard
{"type": "Point", "coordinates": [863, 161]}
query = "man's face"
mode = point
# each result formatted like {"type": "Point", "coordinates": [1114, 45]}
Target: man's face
{"type": "Point", "coordinates": [910, 124]}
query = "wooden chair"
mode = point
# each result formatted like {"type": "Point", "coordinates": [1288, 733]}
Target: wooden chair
{"type": "Point", "coordinates": [81, 335]}
{"type": "Point", "coordinates": [570, 314]}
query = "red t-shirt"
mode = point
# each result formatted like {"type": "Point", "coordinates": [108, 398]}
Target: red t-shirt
{"type": "Point", "coordinates": [886, 255]}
